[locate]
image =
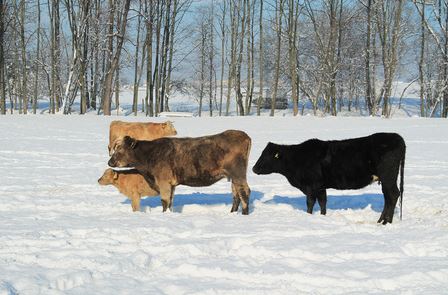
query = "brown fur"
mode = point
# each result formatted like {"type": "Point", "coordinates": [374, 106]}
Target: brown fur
{"type": "Point", "coordinates": [139, 130]}
{"type": "Point", "coordinates": [130, 183]}
{"type": "Point", "coordinates": [202, 161]}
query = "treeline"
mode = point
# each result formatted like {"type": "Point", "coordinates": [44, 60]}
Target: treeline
{"type": "Point", "coordinates": [328, 55]}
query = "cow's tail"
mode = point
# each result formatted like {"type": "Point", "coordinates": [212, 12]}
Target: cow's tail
{"type": "Point", "coordinates": [402, 182]}
{"type": "Point", "coordinates": [249, 146]}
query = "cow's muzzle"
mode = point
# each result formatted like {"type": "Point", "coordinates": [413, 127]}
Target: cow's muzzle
{"type": "Point", "coordinates": [255, 170]}
{"type": "Point", "coordinates": [112, 163]}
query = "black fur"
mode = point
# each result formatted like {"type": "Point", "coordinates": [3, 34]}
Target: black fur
{"type": "Point", "coordinates": [315, 165]}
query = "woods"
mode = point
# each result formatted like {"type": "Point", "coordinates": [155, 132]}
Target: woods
{"type": "Point", "coordinates": [231, 56]}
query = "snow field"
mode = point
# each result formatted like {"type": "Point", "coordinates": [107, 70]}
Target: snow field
{"type": "Point", "coordinates": [62, 233]}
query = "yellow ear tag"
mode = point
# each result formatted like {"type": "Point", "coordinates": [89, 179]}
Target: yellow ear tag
{"type": "Point", "coordinates": [276, 156]}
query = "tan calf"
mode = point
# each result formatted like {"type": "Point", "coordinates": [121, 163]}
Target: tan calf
{"type": "Point", "coordinates": [130, 183]}
{"type": "Point", "coordinates": [139, 131]}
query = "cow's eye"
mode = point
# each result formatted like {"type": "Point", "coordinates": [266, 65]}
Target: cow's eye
{"type": "Point", "coordinates": [276, 156]}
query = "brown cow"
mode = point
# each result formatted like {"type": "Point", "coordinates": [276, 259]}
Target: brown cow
{"type": "Point", "coordinates": [202, 161]}
{"type": "Point", "coordinates": [130, 183]}
{"type": "Point", "coordinates": [139, 130]}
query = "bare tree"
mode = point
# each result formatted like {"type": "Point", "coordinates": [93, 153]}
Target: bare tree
{"type": "Point", "coordinates": [389, 15]}
{"type": "Point", "coordinates": [260, 66]}
{"type": "Point", "coordinates": [211, 55]}
{"type": "Point", "coordinates": [233, 10]}
{"type": "Point", "coordinates": [422, 61]}
{"type": "Point", "coordinates": [278, 28]}
{"type": "Point", "coordinates": [222, 26]}
{"type": "Point", "coordinates": [55, 24]}
{"type": "Point", "coordinates": [436, 24]}
{"type": "Point", "coordinates": [293, 19]}
{"type": "Point", "coordinates": [36, 62]}
{"type": "Point", "coordinates": [24, 91]}
{"type": "Point", "coordinates": [149, 99]}
{"type": "Point", "coordinates": [370, 97]}
{"type": "Point", "coordinates": [136, 61]}
{"type": "Point", "coordinates": [2, 59]}
{"type": "Point", "coordinates": [239, 60]}
{"type": "Point", "coordinates": [107, 84]}
{"type": "Point", "coordinates": [203, 40]}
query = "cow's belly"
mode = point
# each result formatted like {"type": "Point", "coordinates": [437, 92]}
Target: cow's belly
{"type": "Point", "coordinates": [349, 181]}
{"type": "Point", "coordinates": [350, 175]}
{"type": "Point", "coordinates": [204, 179]}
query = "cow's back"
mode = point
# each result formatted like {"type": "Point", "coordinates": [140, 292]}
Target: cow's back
{"type": "Point", "coordinates": [199, 161]}
{"type": "Point", "coordinates": [353, 163]}
{"type": "Point", "coordinates": [139, 130]}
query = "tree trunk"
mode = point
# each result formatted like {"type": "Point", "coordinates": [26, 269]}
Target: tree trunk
{"type": "Point", "coordinates": [260, 96]}
{"type": "Point", "coordinates": [117, 90]}
{"type": "Point", "coordinates": [248, 59]}
{"type": "Point", "coordinates": [95, 72]}
{"type": "Point", "coordinates": [202, 73]}
{"type": "Point", "coordinates": [239, 95]}
{"type": "Point", "coordinates": [136, 61]}
{"type": "Point", "coordinates": [149, 81]}
{"type": "Point", "coordinates": [421, 63]}
{"type": "Point", "coordinates": [369, 98]}
{"type": "Point", "coordinates": [278, 24]}
{"type": "Point", "coordinates": [24, 92]}
{"type": "Point", "coordinates": [156, 75]}
{"type": "Point", "coordinates": [36, 63]}
{"type": "Point", "coordinates": [445, 66]}
{"type": "Point", "coordinates": [170, 54]}
{"type": "Point", "coordinates": [223, 40]}
{"type": "Point", "coordinates": [292, 42]}
{"type": "Point", "coordinates": [211, 57]}
{"type": "Point", "coordinates": [166, 42]}
{"type": "Point", "coordinates": [233, 35]}
{"type": "Point", "coordinates": [2, 60]}
{"type": "Point", "coordinates": [107, 82]}
{"type": "Point", "coordinates": [116, 57]}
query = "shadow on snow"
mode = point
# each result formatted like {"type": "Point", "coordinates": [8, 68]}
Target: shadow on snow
{"type": "Point", "coordinates": [181, 200]}
{"type": "Point", "coordinates": [376, 201]}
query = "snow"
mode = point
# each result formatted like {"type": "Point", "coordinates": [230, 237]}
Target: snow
{"type": "Point", "coordinates": [62, 233]}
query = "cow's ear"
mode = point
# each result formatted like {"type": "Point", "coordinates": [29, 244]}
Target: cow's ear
{"type": "Point", "coordinates": [129, 141]}
{"type": "Point", "coordinates": [115, 175]}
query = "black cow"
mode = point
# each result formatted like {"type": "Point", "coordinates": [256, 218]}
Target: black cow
{"type": "Point", "coordinates": [315, 165]}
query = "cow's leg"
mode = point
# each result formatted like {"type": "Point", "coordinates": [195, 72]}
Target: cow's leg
{"type": "Point", "coordinates": [242, 191]}
{"type": "Point", "coordinates": [383, 213]}
{"type": "Point", "coordinates": [170, 206]}
{"type": "Point", "coordinates": [236, 199]}
{"type": "Point", "coordinates": [322, 199]}
{"type": "Point", "coordinates": [391, 194]}
{"type": "Point", "coordinates": [166, 195]}
{"type": "Point", "coordinates": [135, 203]}
{"type": "Point", "coordinates": [388, 174]}
{"type": "Point", "coordinates": [310, 201]}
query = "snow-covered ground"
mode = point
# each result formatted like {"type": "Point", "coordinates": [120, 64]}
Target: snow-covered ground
{"type": "Point", "coordinates": [62, 233]}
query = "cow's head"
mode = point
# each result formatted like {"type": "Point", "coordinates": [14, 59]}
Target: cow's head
{"type": "Point", "coordinates": [169, 129]}
{"type": "Point", "coordinates": [270, 160]}
{"type": "Point", "coordinates": [123, 153]}
{"type": "Point", "coordinates": [109, 176]}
